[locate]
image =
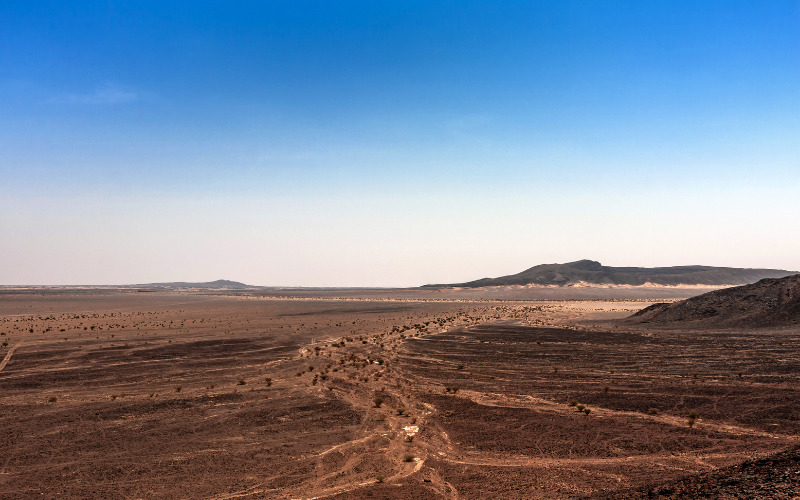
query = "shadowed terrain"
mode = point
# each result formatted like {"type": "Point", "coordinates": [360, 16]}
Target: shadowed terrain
{"type": "Point", "coordinates": [770, 302]}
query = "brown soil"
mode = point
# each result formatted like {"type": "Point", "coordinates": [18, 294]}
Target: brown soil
{"type": "Point", "coordinates": [770, 302]}
{"type": "Point", "coordinates": [170, 395]}
{"type": "Point", "coordinates": [773, 477]}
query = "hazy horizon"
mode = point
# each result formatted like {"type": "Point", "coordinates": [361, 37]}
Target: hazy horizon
{"type": "Point", "coordinates": [393, 144]}
{"type": "Point", "coordinates": [279, 285]}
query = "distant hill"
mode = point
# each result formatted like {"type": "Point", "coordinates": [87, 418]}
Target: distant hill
{"type": "Point", "coordinates": [227, 284]}
{"type": "Point", "coordinates": [769, 302]}
{"type": "Point", "coordinates": [593, 272]}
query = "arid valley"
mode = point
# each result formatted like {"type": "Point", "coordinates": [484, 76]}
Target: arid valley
{"type": "Point", "coordinates": [227, 394]}
{"type": "Point", "coordinates": [345, 250]}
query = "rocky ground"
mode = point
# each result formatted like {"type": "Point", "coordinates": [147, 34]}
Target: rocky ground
{"type": "Point", "coordinates": [166, 395]}
{"type": "Point", "coordinates": [767, 303]}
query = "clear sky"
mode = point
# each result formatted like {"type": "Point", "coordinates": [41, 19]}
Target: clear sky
{"type": "Point", "coordinates": [371, 143]}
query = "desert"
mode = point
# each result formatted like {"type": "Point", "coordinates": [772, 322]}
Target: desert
{"type": "Point", "coordinates": [242, 394]}
{"type": "Point", "coordinates": [446, 250]}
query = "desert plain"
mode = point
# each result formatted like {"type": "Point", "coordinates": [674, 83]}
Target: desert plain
{"type": "Point", "coordinates": [225, 394]}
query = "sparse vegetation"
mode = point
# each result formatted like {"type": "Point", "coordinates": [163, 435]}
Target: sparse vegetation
{"type": "Point", "coordinates": [510, 378]}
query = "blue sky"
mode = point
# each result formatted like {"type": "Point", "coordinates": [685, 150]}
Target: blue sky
{"type": "Point", "coordinates": [393, 143]}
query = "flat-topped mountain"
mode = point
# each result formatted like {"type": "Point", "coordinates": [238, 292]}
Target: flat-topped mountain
{"type": "Point", "coordinates": [594, 273]}
{"type": "Point", "coordinates": [769, 302]}
{"type": "Point", "coordinates": [208, 284]}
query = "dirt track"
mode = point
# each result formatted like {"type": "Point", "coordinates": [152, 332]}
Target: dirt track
{"type": "Point", "coordinates": [170, 395]}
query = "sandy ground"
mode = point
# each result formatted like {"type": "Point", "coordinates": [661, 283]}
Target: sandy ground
{"type": "Point", "coordinates": [178, 395]}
